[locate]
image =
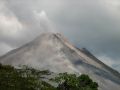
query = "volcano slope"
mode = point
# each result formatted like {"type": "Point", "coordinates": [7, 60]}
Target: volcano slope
{"type": "Point", "coordinates": [53, 52]}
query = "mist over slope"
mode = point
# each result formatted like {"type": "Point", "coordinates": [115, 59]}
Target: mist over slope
{"type": "Point", "coordinates": [54, 52]}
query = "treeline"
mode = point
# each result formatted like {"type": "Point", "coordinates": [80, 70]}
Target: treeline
{"type": "Point", "coordinates": [27, 78]}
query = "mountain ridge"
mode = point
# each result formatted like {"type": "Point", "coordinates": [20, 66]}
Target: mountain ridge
{"type": "Point", "coordinates": [84, 50]}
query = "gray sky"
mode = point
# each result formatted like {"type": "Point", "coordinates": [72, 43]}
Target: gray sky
{"type": "Point", "coordinates": [94, 24]}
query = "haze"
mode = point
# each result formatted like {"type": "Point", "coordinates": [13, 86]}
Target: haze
{"type": "Point", "coordinates": [93, 24]}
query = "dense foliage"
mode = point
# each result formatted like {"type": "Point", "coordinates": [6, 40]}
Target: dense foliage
{"type": "Point", "coordinates": [22, 79]}
{"type": "Point", "coordinates": [31, 79]}
{"type": "Point", "coordinates": [73, 82]}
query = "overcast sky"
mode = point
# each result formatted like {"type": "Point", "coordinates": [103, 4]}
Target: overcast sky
{"type": "Point", "coordinates": [93, 24]}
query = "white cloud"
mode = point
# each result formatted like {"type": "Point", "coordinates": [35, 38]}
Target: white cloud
{"type": "Point", "coordinates": [112, 6]}
{"type": "Point", "coordinates": [44, 22]}
{"type": "Point", "coordinates": [4, 48]}
{"type": "Point", "coordinates": [10, 26]}
{"type": "Point", "coordinates": [112, 3]}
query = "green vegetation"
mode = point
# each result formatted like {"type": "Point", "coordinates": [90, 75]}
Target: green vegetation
{"type": "Point", "coordinates": [22, 79]}
{"type": "Point", "coordinates": [72, 82]}
{"type": "Point", "coordinates": [26, 78]}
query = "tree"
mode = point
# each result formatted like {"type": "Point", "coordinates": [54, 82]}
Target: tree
{"type": "Point", "coordinates": [27, 78]}
{"type": "Point", "coordinates": [22, 79]}
{"type": "Point", "coordinates": [72, 82]}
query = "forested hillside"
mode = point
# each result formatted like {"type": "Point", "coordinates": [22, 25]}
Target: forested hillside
{"type": "Point", "coordinates": [26, 78]}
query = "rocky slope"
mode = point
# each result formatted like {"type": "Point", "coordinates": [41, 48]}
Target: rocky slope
{"type": "Point", "coordinates": [52, 51]}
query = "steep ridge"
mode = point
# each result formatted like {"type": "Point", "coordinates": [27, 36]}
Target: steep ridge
{"type": "Point", "coordinates": [54, 52]}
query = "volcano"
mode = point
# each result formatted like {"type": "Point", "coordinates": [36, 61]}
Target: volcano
{"type": "Point", "coordinates": [54, 52]}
